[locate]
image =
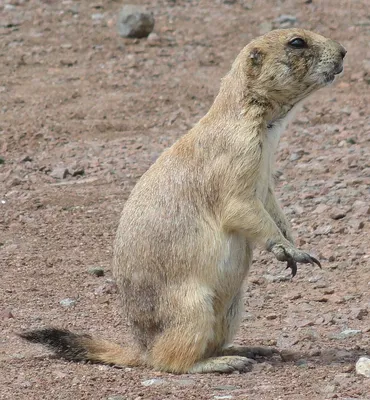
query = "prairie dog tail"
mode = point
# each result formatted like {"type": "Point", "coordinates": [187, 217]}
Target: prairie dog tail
{"type": "Point", "coordinates": [82, 347]}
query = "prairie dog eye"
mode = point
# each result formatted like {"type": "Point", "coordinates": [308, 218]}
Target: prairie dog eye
{"type": "Point", "coordinates": [298, 43]}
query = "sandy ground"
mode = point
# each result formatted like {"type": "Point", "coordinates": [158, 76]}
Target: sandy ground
{"type": "Point", "coordinates": [76, 97]}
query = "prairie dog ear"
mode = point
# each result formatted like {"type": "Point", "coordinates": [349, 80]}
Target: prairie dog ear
{"type": "Point", "coordinates": [256, 56]}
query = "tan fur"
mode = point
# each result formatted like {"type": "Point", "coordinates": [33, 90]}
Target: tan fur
{"type": "Point", "coordinates": [103, 351]}
{"type": "Point", "coordinates": [184, 243]}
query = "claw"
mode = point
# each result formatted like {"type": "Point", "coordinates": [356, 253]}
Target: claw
{"type": "Point", "coordinates": [317, 262]}
{"type": "Point", "coordinates": [293, 266]}
{"type": "Point", "coordinates": [308, 259]}
{"type": "Point", "coordinates": [292, 256]}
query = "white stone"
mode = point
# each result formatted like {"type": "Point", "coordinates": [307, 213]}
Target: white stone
{"type": "Point", "coordinates": [153, 382]}
{"type": "Point", "coordinates": [363, 366]}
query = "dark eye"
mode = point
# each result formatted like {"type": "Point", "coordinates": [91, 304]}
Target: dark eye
{"type": "Point", "coordinates": [298, 43]}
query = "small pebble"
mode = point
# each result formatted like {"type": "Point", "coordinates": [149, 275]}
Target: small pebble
{"type": "Point", "coordinates": [363, 366]}
{"type": "Point", "coordinates": [97, 16]}
{"type": "Point", "coordinates": [135, 22]}
{"type": "Point", "coordinates": [337, 214]}
{"type": "Point", "coordinates": [97, 271]}
{"type": "Point", "coordinates": [107, 288]}
{"type": "Point", "coordinates": [153, 382]}
{"type": "Point", "coordinates": [9, 7]}
{"type": "Point", "coordinates": [6, 314]}
{"type": "Point", "coordinates": [68, 302]}
{"type": "Point", "coordinates": [286, 21]}
{"type": "Point", "coordinates": [301, 363]}
{"type": "Point", "coordinates": [359, 313]}
{"type": "Point", "coordinates": [59, 173]}
{"type": "Point", "coordinates": [347, 333]}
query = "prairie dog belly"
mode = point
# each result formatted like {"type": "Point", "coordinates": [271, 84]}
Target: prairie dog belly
{"type": "Point", "coordinates": [234, 262]}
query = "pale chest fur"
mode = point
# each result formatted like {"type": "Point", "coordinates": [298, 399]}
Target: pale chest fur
{"type": "Point", "coordinates": [269, 149]}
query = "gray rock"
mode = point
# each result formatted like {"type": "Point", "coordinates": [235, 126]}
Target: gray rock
{"type": "Point", "coordinates": [359, 313]}
{"type": "Point", "coordinates": [6, 314]}
{"type": "Point", "coordinates": [18, 356]}
{"type": "Point", "coordinates": [59, 173]}
{"type": "Point", "coordinates": [295, 156]}
{"type": "Point", "coordinates": [97, 16]}
{"type": "Point", "coordinates": [135, 22]}
{"type": "Point", "coordinates": [9, 7]}
{"type": "Point", "coordinates": [352, 398]}
{"type": "Point", "coordinates": [97, 271]}
{"type": "Point", "coordinates": [347, 333]}
{"type": "Point", "coordinates": [153, 382]}
{"type": "Point", "coordinates": [109, 287]}
{"type": "Point", "coordinates": [74, 9]}
{"type": "Point", "coordinates": [68, 302]}
{"type": "Point", "coordinates": [118, 397]}
{"type": "Point", "coordinates": [286, 21]}
{"type": "Point", "coordinates": [302, 363]}
{"type": "Point", "coordinates": [323, 230]}
{"type": "Point", "coordinates": [227, 396]}
{"type": "Point", "coordinates": [337, 213]}
{"type": "Point", "coordinates": [314, 279]}
{"type": "Point", "coordinates": [363, 366]}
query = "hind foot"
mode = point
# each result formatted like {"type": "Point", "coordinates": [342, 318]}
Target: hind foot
{"type": "Point", "coordinates": [225, 364]}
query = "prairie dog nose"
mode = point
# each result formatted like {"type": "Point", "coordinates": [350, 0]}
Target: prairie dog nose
{"type": "Point", "coordinates": [342, 51]}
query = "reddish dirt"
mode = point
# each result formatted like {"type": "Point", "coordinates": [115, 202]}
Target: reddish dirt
{"type": "Point", "coordinates": [74, 95]}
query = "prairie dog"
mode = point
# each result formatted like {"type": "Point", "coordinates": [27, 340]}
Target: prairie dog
{"type": "Point", "coordinates": [186, 235]}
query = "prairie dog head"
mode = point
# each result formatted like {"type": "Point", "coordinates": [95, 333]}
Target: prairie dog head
{"type": "Point", "coordinates": [287, 65]}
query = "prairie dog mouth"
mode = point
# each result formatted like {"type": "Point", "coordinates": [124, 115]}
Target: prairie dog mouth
{"type": "Point", "coordinates": [330, 76]}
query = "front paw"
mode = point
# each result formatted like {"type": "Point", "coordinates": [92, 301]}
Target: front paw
{"type": "Point", "coordinates": [292, 255]}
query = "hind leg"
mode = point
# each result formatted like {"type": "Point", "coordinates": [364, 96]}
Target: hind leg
{"type": "Point", "coordinates": [187, 344]}
{"type": "Point", "coordinates": [183, 350]}
{"type": "Point", "coordinates": [230, 326]}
